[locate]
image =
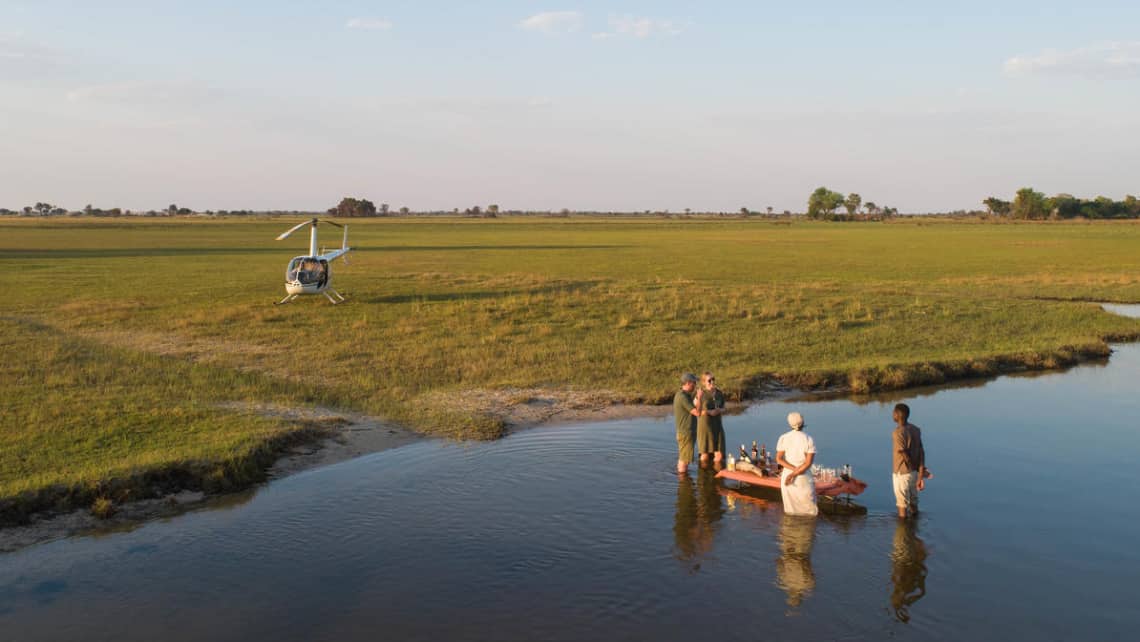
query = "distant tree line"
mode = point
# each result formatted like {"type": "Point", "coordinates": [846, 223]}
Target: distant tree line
{"type": "Point", "coordinates": [823, 203]}
{"type": "Point", "coordinates": [1029, 204]}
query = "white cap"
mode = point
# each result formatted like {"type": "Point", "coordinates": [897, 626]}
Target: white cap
{"type": "Point", "coordinates": [795, 420]}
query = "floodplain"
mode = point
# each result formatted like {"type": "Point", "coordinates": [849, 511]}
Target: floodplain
{"type": "Point", "coordinates": [138, 351]}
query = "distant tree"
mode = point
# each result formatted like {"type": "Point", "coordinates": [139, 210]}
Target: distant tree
{"type": "Point", "coordinates": [352, 207]}
{"type": "Point", "coordinates": [1108, 208]}
{"type": "Point", "coordinates": [404, 211]}
{"type": "Point", "coordinates": [493, 209]}
{"type": "Point", "coordinates": [383, 209]}
{"type": "Point", "coordinates": [769, 210]}
{"type": "Point", "coordinates": [1063, 206]}
{"type": "Point", "coordinates": [1028, 204]}
{"type": "Point", "coordinates": [1131, 206]}
{"type": "Point", "coordinates": [852, 203]}
{"type": "Point", "coordinates": [28, 210]}
{"type": "Point", "coordinates": [997, 207]}
{"type": "Point", "coordinates": [45, 209]}
{"type": "Point", "coordinates": [744, 211]}
{"type": "Point", "coordinates": [870, 207]}
{"type": "Point", "coordinates": [822, 203]}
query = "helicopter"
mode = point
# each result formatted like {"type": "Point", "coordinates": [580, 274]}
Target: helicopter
{"type": "Point", "coordinates": [312, 274]}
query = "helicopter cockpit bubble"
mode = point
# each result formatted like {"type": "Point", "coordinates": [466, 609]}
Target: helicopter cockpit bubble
{"type": "Point", "coordinates": [307, 270]}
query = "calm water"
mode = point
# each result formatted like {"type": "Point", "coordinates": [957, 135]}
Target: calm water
{"type": "Point", "coordinates": [1030, 529]}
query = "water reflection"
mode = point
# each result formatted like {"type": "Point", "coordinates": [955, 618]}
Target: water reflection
{"type": "Point", "coordinates": [794, 573]}
{"type": "Point", "coordinates": [908, 569]}
{"type": "Point", "coordinates": [695, 521]}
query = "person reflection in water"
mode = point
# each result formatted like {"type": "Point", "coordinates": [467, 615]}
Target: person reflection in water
{"type": "Point", "coordinates": [793, 568]}
{"type": "Point", "coordinates": [908, 569]}
{"type": "Point", "coordinates": [699, 509]}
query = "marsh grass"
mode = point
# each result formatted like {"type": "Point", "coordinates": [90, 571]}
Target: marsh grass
{"type": "Point", "coordinates": [124, 339]}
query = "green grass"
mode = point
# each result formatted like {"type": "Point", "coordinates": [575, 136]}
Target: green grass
{"type": "Point", "coordinates": [126, 339]}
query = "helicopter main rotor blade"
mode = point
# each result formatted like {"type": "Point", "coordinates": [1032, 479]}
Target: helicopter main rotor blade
{"type": "Point", "coordinates": [325, 220]}
{"type": "Point", "coordinates": [293, 229]}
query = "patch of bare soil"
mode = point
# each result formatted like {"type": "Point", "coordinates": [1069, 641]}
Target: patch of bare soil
{"type": "Point", "coordinates": [349, 435]}
{"type": "Point", "coordinates": [522, 408]}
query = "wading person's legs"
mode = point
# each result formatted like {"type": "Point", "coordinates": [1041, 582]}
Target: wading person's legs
{"type": "Point", "coordinates": [906, 493]}
{"type": "Point", "coordinates": [684, 452]}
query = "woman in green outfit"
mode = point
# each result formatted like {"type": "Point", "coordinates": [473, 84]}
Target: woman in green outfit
{"type": "Point", "coordinates": [710, 427]}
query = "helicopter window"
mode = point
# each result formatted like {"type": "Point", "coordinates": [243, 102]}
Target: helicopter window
{"type": "Point", "coordinates": [291, 273]}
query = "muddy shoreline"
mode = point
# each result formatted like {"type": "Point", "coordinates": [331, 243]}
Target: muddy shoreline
{"type": "Point", "coordinates": [347, 436]}
{"type": "Point", "coordinates": [329, 436]}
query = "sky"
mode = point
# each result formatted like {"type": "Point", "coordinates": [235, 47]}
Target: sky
{"type": "Point", "coordinates": [292, 104]}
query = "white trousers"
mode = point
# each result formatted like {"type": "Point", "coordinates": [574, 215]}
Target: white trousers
{"type": "Point", "coordinates": [906, 489]}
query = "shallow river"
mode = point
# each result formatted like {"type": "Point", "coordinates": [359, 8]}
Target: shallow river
{"type": "Point", "coordinates": [1030, 531]}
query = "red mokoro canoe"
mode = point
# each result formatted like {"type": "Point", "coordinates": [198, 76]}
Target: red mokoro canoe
{"type": "Point", "coordinates": [831, 488]}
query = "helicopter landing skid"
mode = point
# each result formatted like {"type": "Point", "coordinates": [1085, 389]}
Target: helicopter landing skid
{"type": "Point", "coordinates": [329, 297]}
{"type": "Point", "coordinates": [287, 299]}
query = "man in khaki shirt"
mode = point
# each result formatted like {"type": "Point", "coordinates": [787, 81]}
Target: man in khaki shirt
{"type": "Point", "coordinates": [908, 462]}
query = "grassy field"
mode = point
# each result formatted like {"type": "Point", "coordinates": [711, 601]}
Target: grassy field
{"type": "Point", "coordinates": [132, 345]}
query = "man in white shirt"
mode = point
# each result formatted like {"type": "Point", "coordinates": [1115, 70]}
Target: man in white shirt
{"type": "Point", "coordinates": [795, 452]}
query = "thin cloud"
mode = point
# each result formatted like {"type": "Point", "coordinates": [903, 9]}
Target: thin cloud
{"type": "Point", "coordinates": [147, 94]}
{"type": "Point", "coordinates": [14, 47]}
{"type": "Point", "coordinates": [371, 24]}
{"type": "Point", "coordinates": [639, 27]}
{"type": "Point", "coordinates": [1098, 60]}
{"type": "Point", "coordinates": [552, 22]}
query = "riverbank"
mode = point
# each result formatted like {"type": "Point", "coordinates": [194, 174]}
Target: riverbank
{"type": "Point", "coordinates": [325, 437]}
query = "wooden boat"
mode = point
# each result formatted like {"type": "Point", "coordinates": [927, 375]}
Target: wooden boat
{"type": "Point", "coordinates": [830, 488]}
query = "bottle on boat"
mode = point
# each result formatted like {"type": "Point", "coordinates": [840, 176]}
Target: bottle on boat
{"type": "Point", "coordinates": [763, 454]}
{"type": "Point", "coordinates": [744, 454]}
{"type": "Point", "coordinates": [731, 462]}
{"type": "Point", "coordinates": [755, 452]}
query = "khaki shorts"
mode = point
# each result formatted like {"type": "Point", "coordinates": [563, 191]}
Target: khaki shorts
{"type": "Point", "coordinates": [906, 489]}
{"type": "Point", "coordinates": [685, 446]}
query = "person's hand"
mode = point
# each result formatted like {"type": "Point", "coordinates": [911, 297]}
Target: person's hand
{"type": "Point", "coordinates": [921, 483]}
{"type": "Point", "coordinates": [790, 479]}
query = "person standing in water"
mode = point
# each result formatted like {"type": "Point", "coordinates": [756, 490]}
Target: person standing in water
{"type": "Point", "coordinates": [710, 426]}
{"type": "Point", "coordinates": [908, 457]}
{"type": "Point", "coordinates": [795, 452]}
{"type": "Point", "coordinates": [685, 414]}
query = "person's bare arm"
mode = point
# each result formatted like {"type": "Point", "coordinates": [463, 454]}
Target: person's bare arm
{"type": "Point", "coordinates": [922, 472]}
